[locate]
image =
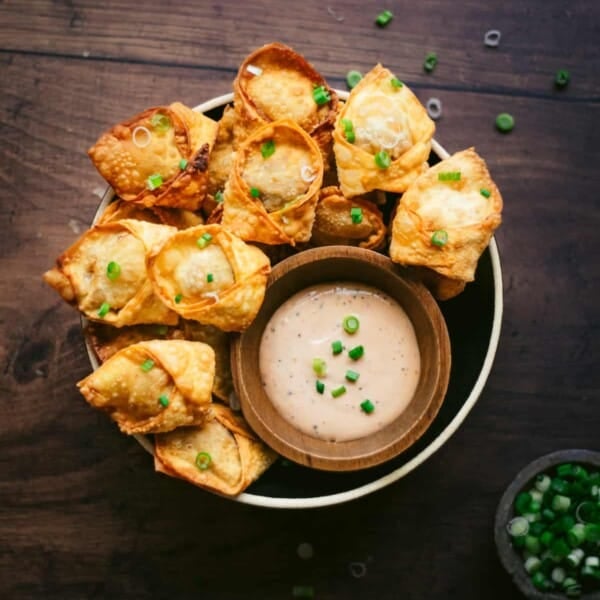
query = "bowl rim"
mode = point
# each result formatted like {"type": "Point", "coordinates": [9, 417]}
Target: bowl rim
{"type": "Point", "coordinates": [510, 560]}
{"type": "Point", "coordinates": [423, 455]}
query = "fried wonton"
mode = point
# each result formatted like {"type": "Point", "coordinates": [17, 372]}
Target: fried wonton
{"type": "Point", "coordinates": [221, 157]}
{"type": "Point", "coordinates": [223, 455]}
{"type": "Point", "coordinates": [154, 386]}
{"type": "Point", "coordinates": [158, 157]}
{"type": "Point", "coordinates": [382, 136]}
{"type": "Point", "coordinates": [176, 217]}
{"type": "Point", "coordinates": [351, 222]}
{"type": "Point", "coordinates": [104, 274]}
{"type": "Point", "coordinates": [274, 82]}
{"type": "Point", "coordinates": [209, 275]}
{"type": "Point", "coordinates": [446, 218]}
{"type": "Point", "coordinates": [272, 190]}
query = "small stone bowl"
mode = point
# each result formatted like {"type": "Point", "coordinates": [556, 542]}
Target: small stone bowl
{"type": "Point", "coordinates": [331, 264]}
{"type": "Point", "coordinates": [509, 557]}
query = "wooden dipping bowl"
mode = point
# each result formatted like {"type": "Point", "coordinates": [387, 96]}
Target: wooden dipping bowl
{"type": "Point", "coordinates": [331, 264]}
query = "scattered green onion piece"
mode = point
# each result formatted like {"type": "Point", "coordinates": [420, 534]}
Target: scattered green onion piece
{"type": "Point", "coordinates": [546, 538]}
{"type": "Point", "coordinates": [396, 83]}
{"type": "Point", "coordinates": [558, 574]}
{"type": "Point", "coordinates": [209, 278]}
{"type": "Point", "coordinates": [486, 194]}
{"type": "Point", "coordinates": [147, 365]}
{"type": "Point", "coordinates": [103, 310]}
{"type": "Point", "coordinates": [560, 486]}
{"type": "Point", "coordinates": [268, 148]}
{"type": "Point", "coordinates": [319, 366]}
{"type": "Point", "coordinates": [163, 400]}
{"type": "Point", "coordinates": [561, 503]}
{"type": "Point", "coordinates": [449, 176]}
{"type": "Point", "coordinates": [532, 544]}
{"type": "Point", "coordinates": [592, 532]}
{"type": "Point", "coordinates": [356, 352]}
{"type": "Point", "coordinates": [575, 557]}
{"type": "Point", "coordinates": [367, 406]}
{"type": "Point", "coordinates": [535, 506]}
{"type": "Point", "coordinates": [320, 386]}
{"type": "Point", "coordinates": [564, 470]}
{"type": "Point", "coordinates": [439, 238]}
{"type": "Point", "coordinates": [532, 564]}
{"type": "Point", "coordinates": [576, 535]}
{"type": "Point", "coordinates": [219, 197]}
{"type": "Point", "coordinates": [178, 298]}
{"type": "Point", "coordinates": [154, 181]}
{"type": "Point", "coordinates": [204, 240]}
{"type": "Point", "coordinates": [160, 123]}
{"type": "Point", "coordinates": [348, 130]}
{"type": "Point", "coordinates": [592, 561]}
{"type": "Point", "coordinates": [522, 502]}
{"type": "Point", "coordinates": [579, 472]}
{"type": "Point", "coordinates": [254, 192]}
{"type": "Point", "coordinates": [548, 514]}
{"type": "Point", "coordinates": [587, 512]}
{"type": "Point", "coordinates": [383, 18]}
{"type": "Point", "coordinates": [113, 270]}
{"type": "Point", "coordinates": [382, 159]}
{"type": "Point", "coordinates": [321, 95]}
{"type": "Point", "coordinates": [518, 527]}
{"type": "Point", "coordinates": [430, 62]}
{"type": "Point", "coordinates": [183, 163]}
{"type": "Point", "coordinates": [350, 324]}
{"type": "Point", "coordinates": [162, 330]}
{"type": "Point", "coordinates": [536, 529]}
{"type": "Point", "coordinates": [560, 548]}
{"type": "Point", "coordinates": [352, 78]}
{"type": "Point", "coordinates": [303, 591]}
{"type": "Point", "coordinates": [352, 375]}
{"type": "Point", "coordinates": [337, 347]}
{"type": "Point", "coordinates": [505, 122]}
{"type": "Point", "coordinates": [338, 391]}
{"type": "Point", "coordinates": [536, 496]}
{"type": "Point", "coordinates": [561, 79]}
{"type": "Point", "coordinates": [356, 214]}
{"type": "Point", "coordinates": [203, 460]}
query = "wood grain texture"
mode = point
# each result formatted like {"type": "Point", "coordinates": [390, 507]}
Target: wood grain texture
{"type": "Point", "coordinates": [82, 514]}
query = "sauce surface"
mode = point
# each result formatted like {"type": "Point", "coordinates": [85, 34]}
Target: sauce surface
{"type": "Point", "coordinates": [305, 326]}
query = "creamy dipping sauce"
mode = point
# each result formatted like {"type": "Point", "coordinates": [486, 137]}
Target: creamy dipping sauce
{"type": "Point", "coordinates": [305, 326]}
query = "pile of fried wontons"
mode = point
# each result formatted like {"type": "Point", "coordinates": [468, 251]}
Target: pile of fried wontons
{"type": "Point", "coordinates": [202, 209]}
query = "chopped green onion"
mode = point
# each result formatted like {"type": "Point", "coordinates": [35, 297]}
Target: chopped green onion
{"type": "Point", "coordinates": [319, 366]}
{"type": "Point", "coordinates": [352, 375]}
{"type": "Point", "coordinates": [113, 270]}
{"type": "Point", "coordinates": [183, 163]}
{"type": "Point", "coordinates": [209, 278]}
{"type": "Point", "coordinates": [321, 95]}
{"type": "Point", "coordinates": [539, 581]}
{"type": "Point", "coordinates": [348, 130]}
{"type": "Point", "coordinates": [162, 330]}
{"type": "Point", "coordinates": [396, 83]}
{"type": "Point", "coordinates": [561, 503]}
{"type": "Point", "coordinates": [561, 79]}
{"type": "Point", "coordinates": [356, 214]}
{"type": "Point", "coordinates": [592, 532]}
{"type": "Point", "coordinates": [546, 538]}
{"type": "Point", "coordinates": [320, 386]}
{"type": "Point", "coordinates": [505, 122]}
{"type": "Point", "coordinates": [160, 123]}
{"type": "Point", "coordinates": [592, 561]}
{"type": "Point", "coordinates": [254, 192]}
{"type": "Point", "coordinates": [356, 352]}
{"type": "Point", "coordinates": [203, 460]}
{"type": "Point", "coordinates": [204, 240]}
{"type": "Point", "coordinates": [268, 149]}
{"type": "Point", "coordinates": [178, 298]}
{"type": "Point", "coordinates": [548, 514]}
{"type": "Point", "coordinates": [352, 78]}
{"type": "Point", "coordinates": [350, 324]}
{"type": "Point", "coordinates": [337, 347]}
{"type": "Point", "coordinates": [163, 400]}
{"type": "Point", "coordinates": [147, 365]}
{"type": "Point", "coordinates": [564, 470]}
{"type": "Point", "coordinates": [154, 181]}
{"type": "Point", "coordinates": [536, 495]}
{"type": "Point", "coordinates": [486, 194]}
{"type": "Point", "coordinates": [576, 535]}
{"type": "Point", "coordinates": [532, 544]}
{"type": "Point", "coordinates": [449, 176]}
{"type": "Point", "coordinates": [532, 564]}
{"type": "Point", "coordinates": [560, 548]}
{"type": "Point", "coordinates": [383, 18]}
{"type": "Point", "coordinates": [338, 391]}
{"type": "Point", "coordinates": [103, 310]}
{"type": "Point", "coordinates": [430, 62]}
{"type": "Point", "coordinates": [219, 197]}
{"type": "Point", "coordinates": [558, 574]}
{"type": "Point", "coordinates": [518, 527]}
{"type": "Point", "coordinates": [367, 406]}
{"type": "Point", "coordinates": [382, 159]}
{"type": "Point", "coordinates": [575, 557]}
{"type": "Point", "coordinates": [522, 502]}
{"type": "Point", "coordinates": [439, 238]}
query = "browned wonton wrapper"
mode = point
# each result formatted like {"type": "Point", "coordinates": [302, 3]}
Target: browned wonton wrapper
{"type": "Point", "coordinates": [274, 83]}
{"type": "Point", "coordinates": [154, 143]}
{"type": "Point", "coordinates": [154, 386]}
{"type": "Point", "coordinates": [176, 217]}
{"type": "Point", "coordinates": [209, 275]}
{"type": "Point", "coordinates": [270, 196]}
{"type": "Point", "coordinates": [384, 118]}
{"type": "Point", "coordinates": [334, 223]}
{"type": "Point", "coordinates": [81, 275]}
{"type": "Point", "coordinates": [231, 455]}
{"type": "Point", "coordinates": [448, 198]}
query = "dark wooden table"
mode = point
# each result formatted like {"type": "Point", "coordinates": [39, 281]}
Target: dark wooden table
{"type": "Point", "coordinates": [82, 513]}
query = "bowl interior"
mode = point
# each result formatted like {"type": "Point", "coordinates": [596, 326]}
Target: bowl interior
{"type": "Point", "coordinates": [331, 264]}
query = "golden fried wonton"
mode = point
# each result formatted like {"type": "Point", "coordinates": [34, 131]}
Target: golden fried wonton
{"type": "Point", "coordinates": [446, 218]}
{"type": "Point", "coordinates": [272, 190]}
{"type": "Point", "coordinates": [104, 274]}
{"type": "Point", "coordinates": [223, 455]}
{"type": "Point", "coordinates": [382, 136]}
{"type": "Point", "coordinates": [154, 386]}
{"type": "Point", "coordinates": [158, 157]}
{"type": "Point", "coordinates": [351, 222]}
{"type": "Point", "coordinates": [274, 82]}
{"type": "Point", "coordinates": [221, 157]}
{"type": "Point", "coordinates": [207, 274]}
